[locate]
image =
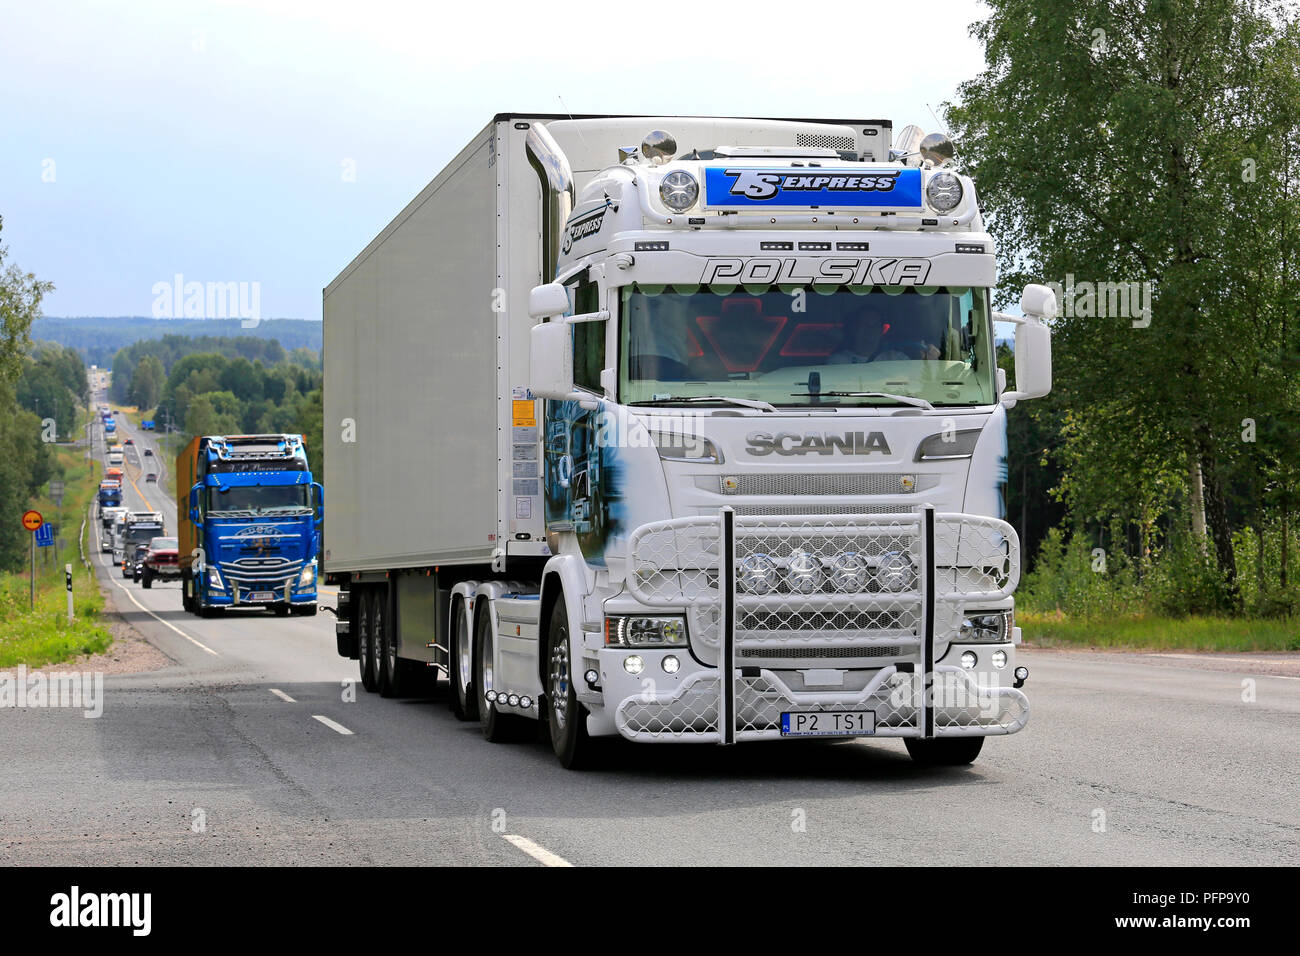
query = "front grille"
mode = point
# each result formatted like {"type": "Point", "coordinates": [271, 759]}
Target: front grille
{"type": "Point", "coordinates": [886, 618]}
{"type": "Point", "coordinates": [272, 573]}
{"type": "Point", "coordinates": [819, 653]}
{"type": "Point", "coordinates": [868, 483]}
{"type": "Point", "coordinates": [763, 510]}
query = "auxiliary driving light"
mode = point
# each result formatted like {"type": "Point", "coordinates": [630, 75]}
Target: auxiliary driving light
{"type": "Point", "coordinates": [491, 696]}
{"type": "Point", "coordinates": [513, 700]}
{"type": "Point", "coordinates": [895, 572]}
{"type": "Point", "coordinates": [803, 573]}
{"type": "Point", "coordinates": [999, 659]}
{"type": "Point", "coordinates": [968, 660]}
{"type": "Point", "coordinates": [671, 664]}
{"type": "Point", "coordinates": [633, 664]}
{"type": "Point", "coordinates": [526, 703]}
{"type": "Point", "coordinates": [591, 677]}
{"type": "Point", "coordinates": [1021, 674]}
{"type": "Point", "coordinates": [758, 574]}
{"type": "Point", "coordinates": [679, 190]}
{"type": "Point", "coordinates": [849, 573]}
{"type": "Point", "coordinates": [943, 191]}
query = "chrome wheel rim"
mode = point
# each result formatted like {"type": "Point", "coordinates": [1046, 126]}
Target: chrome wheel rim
{"type": "Point", "coordinates": [559, 683]}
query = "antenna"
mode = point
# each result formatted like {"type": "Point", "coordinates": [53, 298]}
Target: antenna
{"type": "Point", "coordinates": [570, 115]}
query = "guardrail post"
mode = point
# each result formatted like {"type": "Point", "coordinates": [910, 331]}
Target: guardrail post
{"type": "Point", "coordinates": [727, 644]}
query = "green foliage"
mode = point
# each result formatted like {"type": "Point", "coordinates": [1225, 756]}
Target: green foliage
{"type": "Point", "coordinates": [99, 340]}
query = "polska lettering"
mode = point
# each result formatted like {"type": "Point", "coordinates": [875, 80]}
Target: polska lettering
{"type": "Point", "coordinates": [73, 909]}
{"type": "Point", "coordinates": [759, 185]}
{"type": "Point", "coordinates": [788, 443]}
{"type": "Point", "coordinates": [823, 272]}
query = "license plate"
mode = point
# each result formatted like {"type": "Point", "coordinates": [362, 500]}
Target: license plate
{"type": "Point", "coordinates": [834, 723]}
{"type": "Point", "coordinates": [262, 596]}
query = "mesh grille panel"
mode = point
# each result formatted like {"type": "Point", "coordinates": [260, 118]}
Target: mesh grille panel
{"type": "Point", "coordinates": [871, 483]}
{"type": "Point", "coordinates": [824, 140]}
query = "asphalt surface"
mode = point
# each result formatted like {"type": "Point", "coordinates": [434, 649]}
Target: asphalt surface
{"type": "Point", "coordinates": [222, 758]}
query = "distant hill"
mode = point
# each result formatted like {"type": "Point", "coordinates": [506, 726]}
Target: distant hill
{"type": "Point", "coordinates": [98, 339]}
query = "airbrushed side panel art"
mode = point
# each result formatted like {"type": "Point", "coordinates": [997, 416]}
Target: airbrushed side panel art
{"type": "Point", "coordinates": [602, 477]}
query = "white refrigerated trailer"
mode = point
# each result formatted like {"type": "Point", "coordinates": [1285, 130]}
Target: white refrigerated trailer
{"type": "Point", "coordinates": [682, 429]}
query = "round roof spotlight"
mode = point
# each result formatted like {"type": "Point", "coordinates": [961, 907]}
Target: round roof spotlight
{"type": "Point", "coordinates": [944, 191]}
{"type": "Point", "coordinates": [658, 147]}
{"type": "Point", "coordinates": [679, 190]}
{"type": "Point", "coordinates": [937, 148]}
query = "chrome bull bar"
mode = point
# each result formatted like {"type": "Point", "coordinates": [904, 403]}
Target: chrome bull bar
{"type": "Point", "coordinates": [849, 588]}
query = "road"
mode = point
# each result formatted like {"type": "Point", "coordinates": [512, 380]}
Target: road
{"type": "Point", "coordinates": [255, 747]}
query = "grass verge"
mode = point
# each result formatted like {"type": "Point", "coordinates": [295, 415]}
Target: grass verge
{"type": "Point", "coordinates": [1151, 633]}
{"type": "Point", "coordinates": [45, 635]}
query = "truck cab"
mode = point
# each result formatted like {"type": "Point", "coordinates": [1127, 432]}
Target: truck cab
{"type": "Point", "coordinates": [249, 528]}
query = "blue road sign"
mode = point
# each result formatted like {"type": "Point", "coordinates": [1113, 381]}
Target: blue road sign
{"type": "Point", "coordinates": [45, 535]}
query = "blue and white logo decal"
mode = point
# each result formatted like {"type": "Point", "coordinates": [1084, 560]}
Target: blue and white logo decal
{"type": "Point", "coordinates": [873, 188]}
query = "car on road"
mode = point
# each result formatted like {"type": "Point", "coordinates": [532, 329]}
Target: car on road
{"type": "Point", "coordinates": [160, 562]}
{"type": "Point", "coordinates": [131, 566]}
{"type": "Point", "coordinates": [151, 477]}
{"type": "Point", "coordinates": [149, 452]}
{"type": "Point", "coordinates": [129, 441]}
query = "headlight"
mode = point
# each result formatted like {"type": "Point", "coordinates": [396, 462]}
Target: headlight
{"type": "Point", "coordinates": [308, 576]}
{"type": "Point", "coordinates": [895, 572]}
{"type": "Point", "coordinates": [679, 190]}
{"type": "Point", "coordinates": [990, 628]}
{"type": "Point", "coordinates": [758, 575]}
{"type": "Point", "coordinates": [943, 191]}
{"type": "Point", "coordinates": [804, 573]}
{"type": "Point", "coordinates": [645, 632]}
{"type": "Point", "coordinates": [849, 573]}
{"type": "Point", "coordinates": [214, 580]}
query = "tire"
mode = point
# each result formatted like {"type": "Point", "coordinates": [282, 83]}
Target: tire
{"type": "Point", "coordinates": [186, 603]}
{"type": "Point", "coordinates": [207, 611]}
{"type": "Point", "coordinates": [565, 715]}
{"type": "Point", "coordinates": [146, 579]}
{"type": "Point", "coordinates": [305, 610]}
{"type": "Point", "coordinates": [944, 751]}
{"type": "Point", "coordinates": [281, 610]}
{"type": "Point", "coordinates": [497, 728]}
{"type": "Point", "coordinates": [365, 648]}
{"type": "Point", "coordinates": [460, 674]}
{"type": "Point", "coordinates": [391, 671]}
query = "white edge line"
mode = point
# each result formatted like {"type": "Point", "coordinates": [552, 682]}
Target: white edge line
{"type": "Point", "coordinates": [283, 696]}
{"type": "Point", "coordinates": [538, 853]}
{"type": "Point", "coordinates": [332, 725]}
{"type": "Point", "coordinates": [125, 590]}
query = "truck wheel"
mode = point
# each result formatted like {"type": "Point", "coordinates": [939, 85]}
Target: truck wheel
{"type": "Point", "coordinates": [390, 665]}
{"type": "Point", "coordinates": [944, 751]}
{"type": "Point", "coordinates": [497, 728]}
{"type": "Point", "coordinates": [365, 645]}
{"type": "Point", "coordinates": [281, 610]}
{"type": "Point", "coordinates": [460, 666]}
{"type": "Point", "coordinates": [186, 604]}
{"type": "Point", "coordinates": [306, 610]}
{"type": "Point", "coordinates": [565, 715]}
{"type": "Point", "coordinates": [146, 579]}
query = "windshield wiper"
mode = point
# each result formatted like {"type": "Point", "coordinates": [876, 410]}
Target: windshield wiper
{"type": "Point", "coordinates": [743, 402]}
{"type": "Point", "coordinates": [904, 399]}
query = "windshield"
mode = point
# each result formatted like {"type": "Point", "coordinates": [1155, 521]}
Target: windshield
{"type": "Point", "coordinates": [163, 544]}
{"type": "Point", "coordinates": [794, 346]}
{"type": "Point", "coordinates": [142, 534]}
{"type": "Point", "coordinates": [258, 499]}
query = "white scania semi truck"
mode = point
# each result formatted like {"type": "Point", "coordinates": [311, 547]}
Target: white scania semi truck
{"type": "Point", "coordinates": [683, 429]}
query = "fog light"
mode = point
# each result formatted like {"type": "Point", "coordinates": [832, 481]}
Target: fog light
{"type": "Point", "coordinates": [1022, 675]}
{"type": "Point", "coordinates": [803, 573]}
{"type": "Point", "coordinates": [896, 572]}
{"type": "Point", "coordinates": [491, 696]}
{"type": "Point", "coordinates": [525, 702]}
{"type": "Point", "coordinates": [591, 677]}
{"type": "Point", "coordinates": [758, 575]}
{"type": "Point", "coordinates": [633, 664]}
{"type": "Point", "coordinates": [999, 659]}
{"type": "Point", "coordinates": [849, 573]}
{"type": "Point", "coordinates": [513, 700]}
{"type": "Point", "coordinates": [671, 664]}
{"type": "Point", "coordinates": [968, 660]}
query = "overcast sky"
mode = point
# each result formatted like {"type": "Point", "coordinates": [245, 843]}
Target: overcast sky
{"type": "Point", "coordinates": [145, 139]}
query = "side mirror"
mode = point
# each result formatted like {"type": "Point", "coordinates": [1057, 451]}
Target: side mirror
{"type": "Point", "coordinates": [1033, 344]}
{"type": "Point", "coordinates": [551, 359]}
{"type": "Point", "coordinates": [546, 301]}
{"type": "Point", "coordinates": [194, 503]}
{"type": "Point", "coordinates": [319, 490]}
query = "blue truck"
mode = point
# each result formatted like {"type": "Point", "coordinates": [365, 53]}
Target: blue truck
{"type": "Point", "coordinates": [249, 517]}
{"type": "Point", "coordinates": [110, 426]}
